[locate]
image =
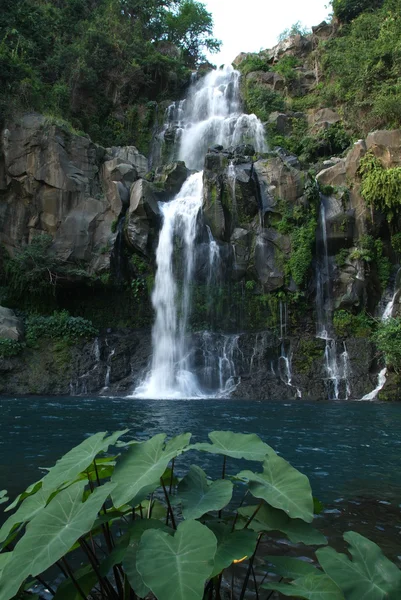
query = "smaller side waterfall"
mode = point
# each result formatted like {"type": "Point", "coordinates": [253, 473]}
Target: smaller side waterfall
{"type": "Point", "coordinates": [337, 367]}
{"type": "Point", "coordinates": [382, 378]}
{"type": "Point", "coordinates": [284, 362]}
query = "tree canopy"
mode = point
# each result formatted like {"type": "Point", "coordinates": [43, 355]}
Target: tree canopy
{"type": "Point", "coordinates": [99, 63]}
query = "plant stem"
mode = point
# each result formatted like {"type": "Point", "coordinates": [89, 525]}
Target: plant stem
{"type": "Point", "coordinates": [257, 509]}
{"type": "Point", "coordinates": [255, 584]}
{"type": "Point", "coordinates": [46, 585]}
{"type": "Point", "coordinates": [104, 582]}
{"type": "Point", "coordinates": [244, 586]}
{"type": "Point", "coordinates": [237, 514]}
{"type": "Point", "coordinates": [74, 581]}
{"type": "Point", "coordinates": [172, 474]}
{"type": "Point", "coordinates": [168, 505]}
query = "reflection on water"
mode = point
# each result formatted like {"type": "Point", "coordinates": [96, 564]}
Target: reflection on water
{"type": "Point", "coordinates": [348, 450]}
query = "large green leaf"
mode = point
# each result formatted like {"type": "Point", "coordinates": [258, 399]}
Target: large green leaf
{"type": "Point", "coordinates": [272, 519]}
{"type": "Point", "coordinates": [369, 576]}
{"type": "Point", "coordinates": [28, 509]}
{"type": "Point", "coordinates": [311, 587]}
{"type": "Point", "coordinates": [32, 489]}
{"type": "Point", "coordinates": [4, 558]}
{"type": "Point", "coordinates": [231, 546]}
{"type": "Point", "coordinates": [130, 558]}
{"type": "Point", "coordinates": [138, 471]}
{"type": "Point", "coordinates": [3, 496]}
{"type": "Point", "coordinates": [199, 496]}
{"type": "Point", "coordinates": [51, 533]}
{"type": "Point", "coordinates": [176, 568]}
{"type": "Point", "coordinates": [282, 486]}
{"type": "Point", "coordinates": [235, 445]}
{"type": "Point", "coordinates": [292, 568]}
{"type": "Point", "coordinates": [78, 459]}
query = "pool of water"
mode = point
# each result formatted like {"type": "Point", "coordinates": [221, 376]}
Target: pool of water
{"type": "Point", "coordinates": [347, 449]}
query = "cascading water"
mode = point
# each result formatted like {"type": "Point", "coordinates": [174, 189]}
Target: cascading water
{"type": "Point", "coordinates": [337, 368]}
{"type": "Point", "coordinates": [170, 375]}
{"type": "Point", "coordinates": [285, 369]}
{"type": "Point", "coordinates": [387, 314]}
{"type": "Point", "coordinates": [210, 115]}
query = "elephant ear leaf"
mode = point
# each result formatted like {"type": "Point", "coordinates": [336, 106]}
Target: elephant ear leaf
{"type": "Point", "coordinates": [235, 445]}
{"type": "Point", "coordinates": [369, 575]}
{"type": "Point", "coordinates": [51, 533]}
{"type": "Point", "coordinates": [198, 496]}
{"type": "Point", "coordinates": [310, 587]}
{"type": "Point", "coordinates": [282, 486]}
{"type": "Point", "coordinates": [176, 568]}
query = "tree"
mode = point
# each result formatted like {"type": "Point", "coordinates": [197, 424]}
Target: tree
{"type": "Point", "coordinates": [191, 29]}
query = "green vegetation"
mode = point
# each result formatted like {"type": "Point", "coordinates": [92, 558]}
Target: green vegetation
{"type": "Point", "coordinates": [177, 536]}
{"type": "Point", "coordinates": [347, 10]}
{"type": "Point", "coordinates": [370, 250]}
{"type": "Point", "coordinates": [253, 63]}
{"type": "Point", "coordinates": [100, 65]}
{"type": "Point", "coordinates": [396, 242]}
{"type": "Point", "coordinates": [286, 67]}
{"type": "Point", "coordinates": [361, 65]}
{"type": "Point", "coordinates": [9, 348]}
{"type": "Point", "coordinates": [302, 243]}
{"type": "Point", "coordinates": [261, 100]}
{"type": "Point", "coordinates": [310, 148]}
{"type": "Point", "coordinates": [388, 341]}
{"type": "Point", "coordinates": [60, 325]}
{"type": "Point", "coordinates": [295, 29]}
{"type": "Point", "coordinates": [347, 324]}
{"type": "Point", "coordinates": [380, 187]}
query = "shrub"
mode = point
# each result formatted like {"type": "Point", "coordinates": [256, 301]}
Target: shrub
{"type": "Point", "coordinates": [60, 325]}
{"type": "Point", "coordinates": [262, 101]}
{"type": "Point", "coordinates": [347, 10]}
{"type": "Point", "coordinates": [388, 341]}
{"type": "Point", "coordinates": [145, 531]}
{"type": "Point", "coordinates": [295, 29]}
{"type": "Point", "coordinates": [380, 187]}
{"type": "Point", "coordinates": [346, 324]}
{"type": "Point", "coordinates": [253, 63]}
{"type": "Point", "coordinates": [9, 348]}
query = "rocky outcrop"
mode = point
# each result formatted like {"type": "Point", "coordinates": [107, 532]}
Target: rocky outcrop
{"type": "Point", "coordinates": [56, 182]}
{"type": "Point", "coordinates": [11, 327]}
{"type": "Point", "coordinates": [143, 218]}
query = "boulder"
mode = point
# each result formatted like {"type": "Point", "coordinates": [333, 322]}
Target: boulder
{"type": "Point", "coordinates": [11, 327]}
{"type": "Point", "coordinates": [142, 218]}
{"type": "Point", "coordinates": [130, 155]}
{"type": "Point", "coordinates": [278, 180]}
{"type": "Point", "coordinates": [269, 79]}
{"type": "Point", "coordinates": [322, 119]}
{"type": "Point", "coordinates": [270, 249]}
{"type": "Point", "coordinates": [281, 122]}
{"type": "Point", "coordinates": [386, 145]}
{"type": "Point", "coordinates": [170, 179]}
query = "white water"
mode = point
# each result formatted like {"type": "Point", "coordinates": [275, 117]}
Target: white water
{"type": "Point", "coordinates": [210, 115]}
{"type": "Point", "coordinates": [337, 367]}
{"type": "Point", "coordinates": [284, 362]}
{"type": "Point", "coordinates": [382, 378]}
{"type": "Point", "coordinates": [170, 375]}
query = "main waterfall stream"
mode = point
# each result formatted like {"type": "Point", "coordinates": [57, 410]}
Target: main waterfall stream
{"type": "Point", "coordinates": [210, 115]}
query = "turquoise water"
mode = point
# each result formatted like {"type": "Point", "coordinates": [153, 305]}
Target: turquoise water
{"type": "Point", "coordinates": [348, 449]}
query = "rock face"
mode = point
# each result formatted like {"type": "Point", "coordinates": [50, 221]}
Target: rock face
{"type": "Point", "coordinates": [56, 182]}
{"type": "Point", "coordinates": [11, 327]}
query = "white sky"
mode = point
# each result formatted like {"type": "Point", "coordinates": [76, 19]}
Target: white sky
{"type": "Point", "coordinates": [253, 25]}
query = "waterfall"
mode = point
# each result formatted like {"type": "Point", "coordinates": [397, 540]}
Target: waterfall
{"type": "Point", "coordinates": [382, 378]}
{"type": "Point", "coordinates": [388, 311]}
{"type": "Point", "coordinates": [170, 375]}
{"type": "Point", "coordinates": [337, 368]}
{"type": "Point", "coordinates": [209, 115]}
{"type": "Point", "coordinates": [212, 115]}
{"type": "Point", "coordinates": [387, 314]}
{"type": "Point", "coordinates": [284, 362]}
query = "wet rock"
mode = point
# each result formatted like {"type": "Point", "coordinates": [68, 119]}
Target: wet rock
{"type": "Point", "coordinates": [142, 218]}
{"type": "Point", "coordinates": [11, 327]}
{"type": "Point", "coordinates": [170, 179]}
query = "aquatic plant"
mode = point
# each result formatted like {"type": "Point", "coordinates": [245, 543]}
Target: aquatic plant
{"type": "Point", "coordinates": [147, 532]}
